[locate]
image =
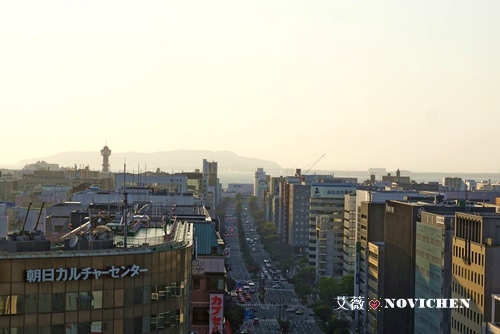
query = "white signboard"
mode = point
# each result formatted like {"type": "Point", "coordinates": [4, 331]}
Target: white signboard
{"type": "Point", "coordinates": [75, 274]}
{"type": "Point", "coordinates": [331, 190]}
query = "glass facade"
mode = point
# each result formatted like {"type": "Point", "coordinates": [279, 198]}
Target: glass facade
{"type": "Point", "coordinates": [156, 299]}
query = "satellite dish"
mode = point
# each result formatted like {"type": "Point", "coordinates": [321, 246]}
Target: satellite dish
{"type": "Point", "coordinates": [73, 241]}
{"type": "Point", "coordinates": [99, 220]}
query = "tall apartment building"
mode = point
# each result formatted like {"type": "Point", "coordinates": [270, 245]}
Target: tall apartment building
{"type": "Point", "coordinates": [298, 217]}
{"type": "Point", "coordinates": [350, 232]}
{"type": "Point", "coordinates": [259, 185]}
{"type": "Point", "coordinates": [275, 203]}
{"type": "Point", "coordinates": [476, 252]}
{"type": "Point", "coordinates": [371, 230]}
{"type": "Point", "coordinates": [433, 270]}
{"type": "Point", "coordinates": [212, 189]}
{"type": "Point", "coordinates": [375, 284]}
{"type": "Point", "coordinates": [272, 199]}
{"type": "Point", "coordinates": [328, 199]}
{"type": "Point", "coordinates": [284, 207]}
{"type": "Point", "coordinates": [324, 246]}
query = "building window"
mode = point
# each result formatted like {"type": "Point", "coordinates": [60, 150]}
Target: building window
{"type": "Point", "coordinates": [196, 284]}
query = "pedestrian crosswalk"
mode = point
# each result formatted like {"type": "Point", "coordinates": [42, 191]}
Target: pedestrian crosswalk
{"type": "Point", "coordinates": [293, 320]}
{"type": "Point", "coordinates": [267, 305]}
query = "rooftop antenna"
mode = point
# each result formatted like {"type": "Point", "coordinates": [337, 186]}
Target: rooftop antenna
{"type": "Point", "coordinates": [26, 217]}
{"type": "Point", "coordinates": [125, 224]}
{"type": "Point", "coordinates": [39, 214]}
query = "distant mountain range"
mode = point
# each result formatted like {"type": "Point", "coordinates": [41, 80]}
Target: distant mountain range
{"type": "Point", "coordinates": [167, 161]}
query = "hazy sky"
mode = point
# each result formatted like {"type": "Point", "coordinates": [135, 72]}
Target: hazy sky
{"type": "Point", "coordinates": [397, 84]}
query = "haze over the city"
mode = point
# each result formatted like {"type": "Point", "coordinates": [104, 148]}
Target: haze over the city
{"type": "Point", "coordinates": [410, 85]}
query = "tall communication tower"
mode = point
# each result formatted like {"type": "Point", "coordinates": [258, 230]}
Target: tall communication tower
{"type": "Point", "coordinates": [105, 152]}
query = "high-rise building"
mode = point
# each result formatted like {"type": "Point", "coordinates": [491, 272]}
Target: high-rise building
{"type": "Point", "coordinates": [433, 270]}
{"type": "Point", "coordinates": [283, 221]}
{"type": "Point", "coordinates": [375, 283]}
{"type": "Point", "coordinates": [211, 183]}
{"type": "Point", "coordinates": [325, 246]}
{"type": "Point", "coordinates": [350, 232]}
{"type": "Point", "coordinates": [476, 252]}
{"type": "Point", "coordinates": [371, 231]}
{"type": "Point", "coordinates": [259, 185]}
{"type": "Point", "coordinates": [298, 213]}
{"type": "Point", "coordinates": [400, 253]}
{"type": "Point", "coordinates": [328, 199]}
{"type": "Point", "coordinates": [371, 217]}
{"type": "Point", "coordinates": [400, 238]}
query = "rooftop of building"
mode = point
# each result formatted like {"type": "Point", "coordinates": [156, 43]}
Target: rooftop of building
{"type": "Point", "coordinates": [85, 241]}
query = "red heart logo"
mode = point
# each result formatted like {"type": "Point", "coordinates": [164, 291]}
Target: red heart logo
{"type": "Point", "coordinates": [374, 303]}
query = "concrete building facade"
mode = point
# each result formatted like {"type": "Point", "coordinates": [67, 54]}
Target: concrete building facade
{"type": "Point", "coordinates": [433, 270]}
{"type": "Point", "coordinates": [476, 254]}
{"type": "Point", "coordinates": [298, 217]}
{"type": "Point", "coordinates": [328, 199]}
{"type": "Point", "coordinates": [350, 234]}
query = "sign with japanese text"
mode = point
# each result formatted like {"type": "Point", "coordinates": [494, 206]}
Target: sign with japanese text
{"type": "Point", "coordinates": [331, 190]}
{"type": "Point", "coordinates": [198, 267]}
{"type": "Point", "coordinates": [216, 313]}
{"type": "Point", "coordinates": [75, 274]}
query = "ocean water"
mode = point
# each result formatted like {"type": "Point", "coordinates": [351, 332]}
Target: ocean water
{"type": "Point", "coordinates": [248, 177]}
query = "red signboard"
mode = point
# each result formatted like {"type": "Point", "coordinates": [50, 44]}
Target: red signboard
{"type": "Point", "coordinates": [216, 313]}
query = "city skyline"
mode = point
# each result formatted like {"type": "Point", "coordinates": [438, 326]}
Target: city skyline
{"type": "Point", "coordinates": [386, 84]}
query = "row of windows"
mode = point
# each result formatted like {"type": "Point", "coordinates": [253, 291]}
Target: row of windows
{"type": "Point", "coordinates": [470, 275]}
{"type": "Point", "coordinates": [424, 325]}
{"type": "Point", "coordinates": [468, 229]}
{"type": "Point", "coordinates": [430, 274]}
{"type": "Point", "coordinates": [423, 289]}
{"type": "Point", "coordinates": [462, 328]}
{"type": "Point", "coordinates": [53, 329]}
{"type": "Point", "coordinates": [429, 241]}
{"type": "Point", "coordinates": [72, 301]}
{"type": "Point", "coordinates": [472, 315]}
{"type": "Point", "coordinates": [131, 325]}
{"type": "Point", "coordinates": [475, 257]}
{"type": "Point", "coordinates": [467, 293]}
{"type": "Point", "coordinates": [429, 257]}
{"type": "Point", "coordinates": [161, 321]}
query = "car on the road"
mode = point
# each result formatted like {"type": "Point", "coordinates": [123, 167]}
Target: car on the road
{"type": "Point", "coordinates": [299, 312]}
{"type": "Point", "coordinates": [276, 286]}
{"type": "Point", "coordinates": [255, 320]}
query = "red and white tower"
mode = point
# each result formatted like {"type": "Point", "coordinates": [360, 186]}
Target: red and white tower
{"type": "Point", "coordinates": [105, 152]}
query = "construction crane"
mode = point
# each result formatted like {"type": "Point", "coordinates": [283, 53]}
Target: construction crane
{"type": "Point", "coordinates": [314, 164]}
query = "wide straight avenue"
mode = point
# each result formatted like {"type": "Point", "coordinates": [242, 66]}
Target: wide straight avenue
{"type": "Point", "coordinates": [280, 300]}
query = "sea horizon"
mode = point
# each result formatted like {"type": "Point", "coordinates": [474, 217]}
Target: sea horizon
{"type": "Point", "coordinates": [227, 177]}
